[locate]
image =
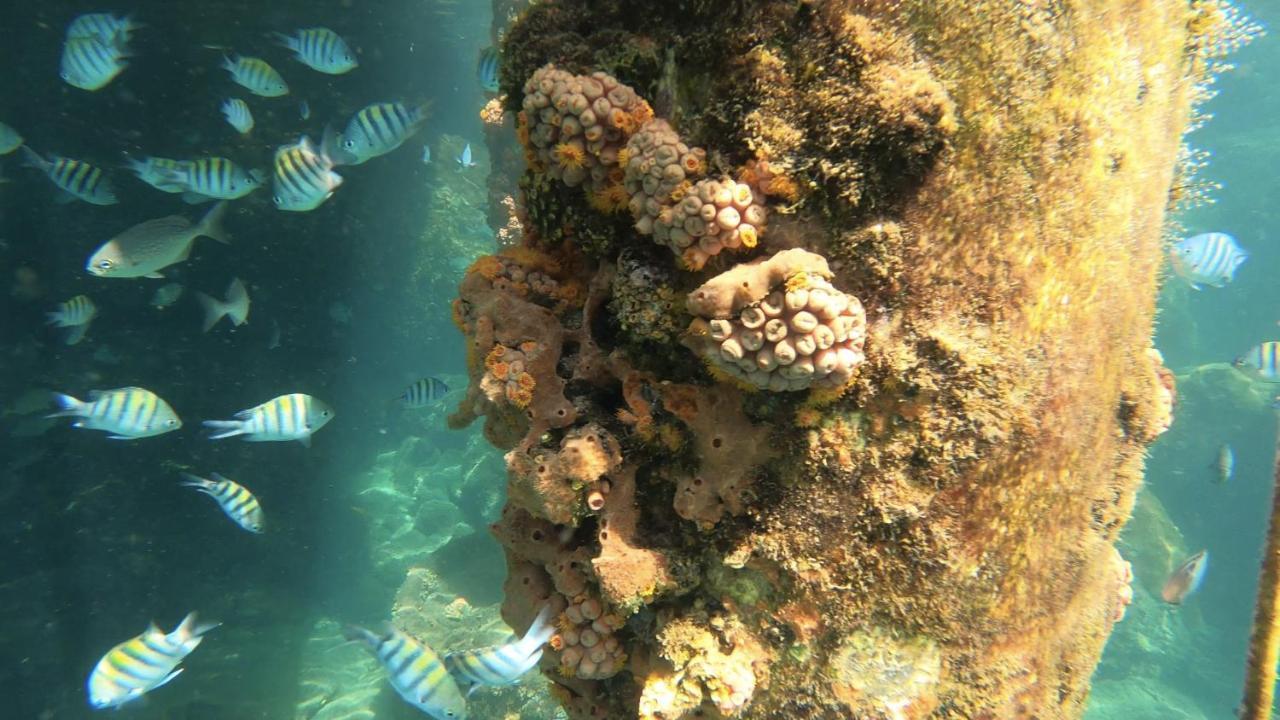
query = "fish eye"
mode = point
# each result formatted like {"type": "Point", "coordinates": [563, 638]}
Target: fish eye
{"type": "Point", "coordinates": [306, 425]}
{"type": "Point", "coordinates": [104, 264]}
{"type": "Point", "coordinates": [276, 199]}
{"type": "Point", "coordinates": [349, 144]}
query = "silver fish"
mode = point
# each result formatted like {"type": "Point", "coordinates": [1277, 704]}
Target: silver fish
{"type": "Point", "coordinates": [295, 416]}
{"type": "Point", "coordinates": [500, 665]}
{"type": "Point", "coordinates": [1225, 464]}
{"type": "Point", "coordinates": [235, 307]}
{"type": "Point", "coordinates": [146, 249]}
{"type": "Point", "coordinates": [154, 171]}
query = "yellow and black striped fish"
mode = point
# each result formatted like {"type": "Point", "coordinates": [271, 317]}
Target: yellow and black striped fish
{"type": "Point", "coordinates": [212, 178]}
{"type": "Point", "coordinates": [76, 178]}
{"type": "Point", "coordinates": [76, 314]}
{"type": "Point", "coordinates": [500, 665]}
{"type": "Point", "coordinates": [1262, 361]}
{"type": "Point", "coordinates": [235, 500]}
{"type": "Point", "coordinates": [377, 130]}
{"type": "Point", "coordinates": [416, 672]}
{"type": "Point", "coordinates": [289, 417]}
{"type": "Point", "coordinates": [154, 172]}
{"type": "Point", "coordinates": [423, 392]}
{"type": "Point", "coordinates": [320, 48]}
{"type": "Point", "coordinates": [137, 666]}
{"type": "Point", "coordinates": [255, 75]}
{"type": "Point", "coordinates": [303, 177]}
{"type": "Point", "coordinates": [126, 413]}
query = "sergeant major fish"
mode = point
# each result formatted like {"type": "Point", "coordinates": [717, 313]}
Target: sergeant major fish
{"type": "Point", "coordinates": [255, 75]}
{"type": "Point", "coordinates": [288, 417]}
{"type": "Point", "coordinates": [212, 178]}
{"type": "Point", "coordinates": [75, 314]}
{"type": "Point", "coordinates": [500, 665]}
{"type": "Point", "coordinates": [235, 500]}
{"type": "Point", "coordinates": [127, 413]}
{"type": "Point", "coordinates": [415, 671]}
{"type": "Point", "coordinates": [1186, 579]}
{"type": "Point", "coordinates": [320, 49]}
{"type": "Point", "coordinates": [302, 177]}
{"type": "Point", "coordinates": [1261, 361]}
{"type": "Point", "coordinates": [90, 62]}
{"type": "Point", "coordinates": [487, 69]}
{"type": "Point", "coordinates": [237, 113]}
{"type": "Point", "coordinates": [377, 130]}
{"type": "Point", "coordinates": [104, 26]}
{"type": "Point", "coordinates": [75, 178]}
{"type": "Point", "coordinates": [423, 392]}
{"type": "Point", "coordinates": [235, 307]}
{"type": "Point", "coordinates": [1209, 258]}
{"type": "Point", "coordinates": [138, 666]}
{"type": "Point", "coordinates": [145, 249]}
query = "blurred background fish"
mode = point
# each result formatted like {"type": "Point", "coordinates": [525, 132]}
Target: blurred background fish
{"type": "Point", "coordinates": [91, 62]}
{"type": "Point", "coordinates": [10, 140]}
{"type": "Point", "coordinates": [320, 49]}
{"type": "Point", "coordinates": [1209, 259]}
{"type": "Point", "coordinates": [1260, 361]}
{"type": "Point", "coordinates": [304, 110]}
{"type": "Point", "coordinates": [104, 26]}
{"type": "Point", "coordinates": [126, 413]}
{"type": "Point", "coordinates": [487, 69]}
{"type": "Point", "coordinates": [166, 295]}
{"type": "Point", "coordinates": [255, 75]}
{"type": "Point", "coordinates": [75, 314]}
{"type": "Point", "coordinates": [1186, 579]}
{"type": "Point", "coordinates": [235, 307]}
{"type": "Point", "coordinates": [236, 111]}
{"type": "Point", "coordinates": [423, 392]}
{"type": "Point", "coordinates": [235, 500]}
{"type": "Point", "coordinates": [1225, 464]}
{"type": "Point", "coordinates": [464, 160]}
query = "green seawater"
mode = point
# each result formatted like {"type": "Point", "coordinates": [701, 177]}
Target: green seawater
{"type": "Point", "coordinates": [386, 516]}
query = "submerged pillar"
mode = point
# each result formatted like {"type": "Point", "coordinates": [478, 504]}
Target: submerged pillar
{"type": "Point", "coordinates": [823, 361]}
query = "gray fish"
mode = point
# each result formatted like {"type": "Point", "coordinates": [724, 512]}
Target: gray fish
{"type": "Point", "coordinates": [143, 250]}
{"type": "Point", "coordinates": [1225, 464]}
{"type": "Point", "coordinates": [166, 295]}
{"type": "Point", "coordinates": [235, 307]}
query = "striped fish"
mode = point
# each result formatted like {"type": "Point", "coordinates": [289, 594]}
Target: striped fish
{"type": "Point", "coordinates": [154, 171]}
{"type": "Point", "coordinates": [1208, 258]}
{"type": "Point", "coordinates": [289, 417]}
{"type": "Point", "coordinates": [256, 76]}
{"type": "Point", "coordinates": [104, 26]}
{"type": "Point", "coordinates": [500, 665]}
{"type": "Point", "coordinates": [10, 140]}
{"type": "Point", "coordinates": [90, 63]}
{"type": "Point", "coordinates": [236, 111]}
{"type": "Point", "coordinates": [416, 672]}
{"type": "Point", "coordinates": [76, 314]}
{"type": "Point", "coordinates": [213, 178]}
{"type": "Point", "coordinates": [76, 178]}
{"type": "Point", "coordinates": [138, 666]}
{"type": "Point", "coordinates": [377, 130]}
{"type": "Point", "coordinates": [126, 413]}
{"type": "Point", "coordinates": [303, 177]}
{"type": "Point", "coordinates": [487, 69]}
{"type": "Point", "coordinates": [1261, 361]}
{"type": "Point", "coordinates": [320, 49]}
{"type": "Point", "coordinates": [423, 392]}
{"type": "Point", "coordinates": [237, 502]}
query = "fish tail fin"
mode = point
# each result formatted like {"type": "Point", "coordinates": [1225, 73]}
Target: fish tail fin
{"type": "Point", "coordinates": [53, 318]}
{"type": "Point", "coordinates": [228, 64]}
{"type": "Point", "coordinates": [237, 302]}
{"type": "Point", "coordinates": [195, 481]}
{"type": "Point", "coordinates": [225, 428]}
{"type": "Point", "coordinates": [67, 406]}
{"type": "Point", "coordinates": [422, 113]}
{"type": "Point", "coordinates": [191, 629]}
{"type": "Point", "coordinates": [283, 40]}
{"type": "Point", "coordinates": [32, 159]}
{"type": "Point", "coordinates": [75, 334]}
{"type": "Point", "coordinates": [539, 632]}
{"type": "Point", "coordinates": [211, 224]}
{"type": "Point", "coordinates": [214, 310]}
{"type": "Point", "coordinates": [355, 633]}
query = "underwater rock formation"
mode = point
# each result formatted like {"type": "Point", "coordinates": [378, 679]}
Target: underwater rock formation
{"type": "Point", "coordinates": [955, 209]}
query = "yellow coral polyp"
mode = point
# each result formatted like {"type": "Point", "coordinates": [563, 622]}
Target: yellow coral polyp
{"type": "Point", "coordinates": [748, 235]}
{"type": "Point", "coordinates": [622, 120]}
{"type": "Point", "coordinates": [570, 155]}
{"type": "Point", "coordinates": [641, 114]}
{"type": "Point", "coordinates": [613, 198]}
{"type": "Point", "coordinates": [624, 156]}
{"type": "Point", "coordinates": [525, 381]}
{"type": "Point", "coordinates": [500, 370]}
{"type": "Point", "coordinates": [799, 281]}
{"type": "Point", "coordinates": [487, 265]}
{"type": "Point", "coordinates": [680, 191]}
{"type": "Point", "coordinates": [528, 347]}
{"type": "Point", "coordinates": [693, 164]}
{"type": "Point", "coordinates": [781, 186]}
{"type": "Point", "coordinates": [518, 396]}
{"type": "Point", "coordinates": [495, 356]}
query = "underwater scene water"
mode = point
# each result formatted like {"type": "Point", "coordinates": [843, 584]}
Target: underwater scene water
{"type": "Point", "coordinates": [317, 299]}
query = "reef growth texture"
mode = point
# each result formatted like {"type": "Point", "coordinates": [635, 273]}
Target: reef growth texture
{"type": "Point", "coordinates": [820, 345]}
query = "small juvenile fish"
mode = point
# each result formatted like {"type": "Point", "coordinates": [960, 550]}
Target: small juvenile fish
{"type": "Point", "coordinates": [423, 392]}
{"type": "Point", "coordinates": [1225, 464]}
{"type": "Point", "coordinates": [320, 49]}
{"type": "Point", "coordinates": [137, 666]}
{"type": "Point", "coordinates": [236, 111]}
{"type": "Point", "coordinates": [104, 26]}
{"type": "Point", "coordinates": [487, 69]}
{"type": "Point", "coordinates": [302, 177]}
{"type": "Point", "coordinates": [289, 417]}
{"type": "Point", "coordinates": [500, 665]}
{"type": "Point", "coordinates": [76, 314]}
{"type": "Point", "coordinates": [256, 76]}
{"type": "Point", "coordinates": [1208, 258]}
{"type": "Point", "coordinates": [273, 342]}
{"type": "Point", "coordinates": [1261, 361]}
{"type": "Point", "coordinates": [415, 671]}
{"type": "Point", "coordinates": [377, 130]}
{"type": "Point", "coordinates": [126, 413]}
{"type": "Point", "coordinates": [1186, 579]}
{"type": "Point", "coordinates": [145, 249]}
{"type": "Point", "coordinates": [10, 140]}
{"type": "Point", "coordinates": [235, 307]}
{"type": "Point", "coordinates": [90, 63]}
{"type": "Point", "coordinates": [166, 295]}
{"type": "Point", "coordinates": [76, 178]}
{"type": "Point", "coordinates": [154, 171]}
{"type": "Point", "coordinates": [426, 154]}
{"type": "Point", "coordinates": [304, 110]}
{"type": "Point", "coordinates": [213, 178]}
{"type": "Point", "coordinates": [238, 503]}
{"type": "Point", "coordinates": [464, 160]}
